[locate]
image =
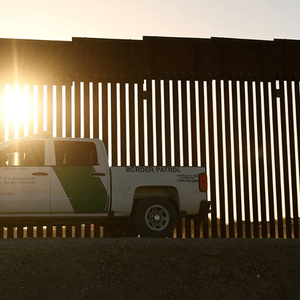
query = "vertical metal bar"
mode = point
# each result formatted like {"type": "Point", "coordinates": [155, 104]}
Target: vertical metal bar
{"type": "Point", "coordinates": [222, 176]}
{"type": "Point", "coordinates": [167, 122]}
{"type": "Point", "coordinates": [2, 119]}
{"type": "Point", "coordinates": [193, 123]}
{"type": "Point", "coordinates": [132, 124]}
{"type": "Point", "coordinates": [86, 109]}
{"type": "Point", "coordinates": [11, 129]}
{"type": "Point", "coordinates": [87, 230]}
{"type": "Point", "coordinates": [179, 228]}
{"type": "Point", "coordinates": [1, 231]}
{"type": "Point", "coordinates": [96, 230]}
{"type": "Point", "coordinates": [236, 126]}
{"type": "Point", "coordinates": [293, 165]}
{"type": "Point", "coordinates": [50, 108]}
{"type": "Point", "coordinates": [228, 158]}
{"type": "Point", "coordinates": [297, 104]}
{"type": "Point", "coordinates": [294, 228]}
{"type": "Point", "coordinates": [203, 134]}
{"type": "Point", "coordinates": [21, 124]}
{"type": "Point", "coordinates": [104, 116]}
{"type": "Point", "coordinates": [58, 230]}
{"type": "Point", "coordinates": [158, 122]}
{"type": "Point", "coordinates": [78, 230]}
{"type": "Point", "coordinates": [176, 123]}
{"type": "Point", "coordinates": [245, 150]}
{"type": "Point", "coordinates": [141, 125]}
{"type": "Point", "coordinates": [77, 110]}
{"type": "Point", "coordinates": [10, 232]}
{"type": "Point", "coordinates": [32, 109]}
{"type": "Point", "coordinates": [251, 148]}
{"type": "Point", "coordinates": [212, 165]}
{"type": "Point", "coordinates": [40, 231]}
{"type": "Point", "coordinates": [123, 124]}
{"type": "Point", "coordinates": [185, 131]}
{"type": "Point", "coordinates": [188, 229]}
{"type": "Point", "coordinates": [59, 119]}
{"type": "Point", "coordinates": [20, 232]}
{"type": "Point", "coordinates": [150, 122]}
{"type": "Point", "coordinates": [11, 124]}
{"type": "Point", "coordinates": [29, 231]}
{"type": "Point", "coordinates": [49, 231]}
{"type": "Point", "coordinates": [114, 125]}
{"type": "Point", "coordinates": [196, 228]}
{"type": "Point", "coordinates": [261, 160]}
{"type": "Point", "coordinates": [277, 163]}
{"type": "Point", "coordinates": [269, 160]}
{"type": "Point", "coordinates": [285, 162]}
{"type": "Point", "coordinates": [68, 111]}
{"type": "Point", "coordinates": [40, 108]}
{"type": "Point", "coordinates": [69, 231]}
{"type": "Point", "coordinates": [96, 110]}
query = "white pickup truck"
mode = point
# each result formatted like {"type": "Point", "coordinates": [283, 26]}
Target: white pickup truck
{"type": "Point", "coordinates": [46, 178]}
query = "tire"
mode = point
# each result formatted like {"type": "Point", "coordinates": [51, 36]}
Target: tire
{"type": "Point", "coordinates": [120, 229]}
{"type": "Point", "coordinates": [155, 217]}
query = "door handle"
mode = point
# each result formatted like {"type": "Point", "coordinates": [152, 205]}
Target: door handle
{"type": "Point", "coordinates": [97, 174]}
{"type": "Point", "coordinates": [40, 174]}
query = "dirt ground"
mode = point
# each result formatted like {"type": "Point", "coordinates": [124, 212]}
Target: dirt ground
{"type": "Point", "coordinates": [135, 268]}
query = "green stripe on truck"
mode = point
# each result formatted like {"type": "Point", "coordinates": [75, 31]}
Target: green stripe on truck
{"type": "Point", "coordinates": [87, 194]}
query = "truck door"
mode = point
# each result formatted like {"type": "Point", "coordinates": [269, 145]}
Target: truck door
{"type": "Point", "coordinates": [80, 182]}
{"type": "Point", "coordinates": [24, 178]}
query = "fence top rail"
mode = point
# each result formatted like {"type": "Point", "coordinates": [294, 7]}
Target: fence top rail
{"type": "Point", "coordinates": [85, 59]}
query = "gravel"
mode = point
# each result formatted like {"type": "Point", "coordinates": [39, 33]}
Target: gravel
{"type": "Point", "coordinates": [75, 268]}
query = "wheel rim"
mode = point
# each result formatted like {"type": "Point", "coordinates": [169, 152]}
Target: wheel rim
{"type": "Point", "coordinates": [157, 217]}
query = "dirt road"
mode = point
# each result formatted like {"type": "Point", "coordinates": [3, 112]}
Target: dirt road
{"type": "Point", "coordinates": [149, 269]}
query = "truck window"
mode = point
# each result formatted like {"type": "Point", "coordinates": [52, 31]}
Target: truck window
{"type": "Point", "coordinates": [72, 153]}
{"type": "Point", "coordinates": [24, 154]}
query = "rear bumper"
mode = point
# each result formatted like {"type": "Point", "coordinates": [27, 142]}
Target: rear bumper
{"type": "Point", "coordinates": [204, 210]}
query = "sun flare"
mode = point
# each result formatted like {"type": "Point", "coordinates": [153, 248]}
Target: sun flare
{"type": "Point", "coordinates": [16, 105]}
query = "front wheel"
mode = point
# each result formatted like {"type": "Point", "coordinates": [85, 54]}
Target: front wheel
{"type": "Point", "coordinates": [155, 217]}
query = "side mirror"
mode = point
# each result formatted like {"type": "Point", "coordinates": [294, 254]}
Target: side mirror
{"type": "Point", "coordinates": [3, 158]}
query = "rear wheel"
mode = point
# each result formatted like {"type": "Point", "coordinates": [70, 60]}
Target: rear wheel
{"type": "Point", "coordinates": [155, 217]}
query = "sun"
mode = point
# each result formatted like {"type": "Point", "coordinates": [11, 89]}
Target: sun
{"type": "Point", "coordinates": [16, 104]}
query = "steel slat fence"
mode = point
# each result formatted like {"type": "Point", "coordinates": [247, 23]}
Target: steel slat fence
{"type": "Point", "coordinates": [244, 131]}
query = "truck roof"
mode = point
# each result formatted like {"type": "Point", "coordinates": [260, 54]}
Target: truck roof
{"type": "Point", "coordinates": [48, 135]}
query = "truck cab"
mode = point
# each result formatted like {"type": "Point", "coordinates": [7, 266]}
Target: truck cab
{"type": "Point", "coordinates": [45, 175]}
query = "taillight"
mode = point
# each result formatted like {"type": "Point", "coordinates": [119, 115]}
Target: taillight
{"type": "Point", "coordinates": [202, 182]}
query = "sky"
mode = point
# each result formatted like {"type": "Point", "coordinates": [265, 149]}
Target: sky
{"type": "Point", "coordinates": [133, 19]}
